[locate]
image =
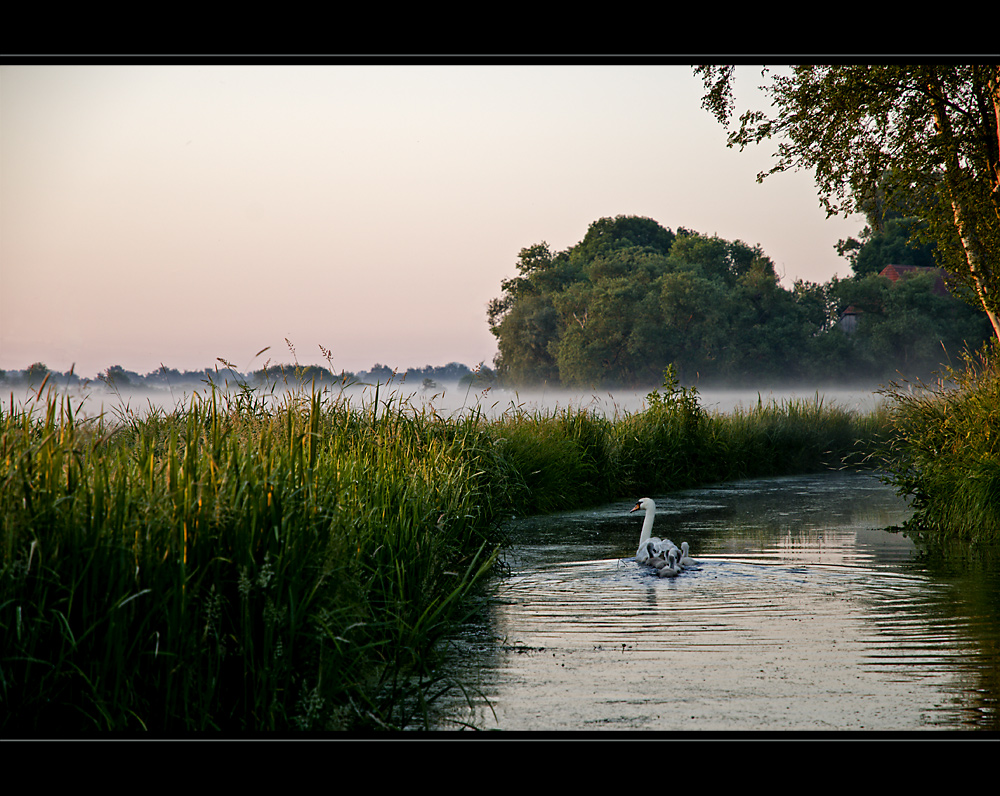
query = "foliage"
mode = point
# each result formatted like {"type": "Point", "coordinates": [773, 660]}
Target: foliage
{"type": "Point", "coordinates": [943, 450]}
{"type": "Point", "coordinates": [479, 378]}
{"type": "Point", "coordinates": [607, 312]}
{"type": "Point", "coordinates": [231, 567]}
{"type": "Point", "coordinates": [226, 376]}
{"type": "Point", "coordinates": [924, 139]}
{"type": "Point", "coordinates": [891, 243]}
{"type": "Point", "coordinates": [662, 447]}
{"type": "Point", "coordinates": [906, 327]}
{"type": "Point", "coordinates": [629, 300]}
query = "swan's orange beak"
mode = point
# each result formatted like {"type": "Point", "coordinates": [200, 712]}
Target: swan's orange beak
{"type": "Point", "coordinates": [636, 508]}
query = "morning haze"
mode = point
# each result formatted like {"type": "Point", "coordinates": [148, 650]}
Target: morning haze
{"type": "Point", "coordinates": [175, 214]}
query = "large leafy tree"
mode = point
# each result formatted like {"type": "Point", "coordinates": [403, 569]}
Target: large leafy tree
{"type": "Point", "coordinates": [524, 320]}
{"type": "Point", "coordinates": [578, 316]}
{"type": "Point", "coordinates": [893, 236]}
{"type": "Point", "coordinates": [633, 297]}
{"type": "Point", "coordinates": [623, 232]}
{"type": "Point", "coordinates": [612, 333]}
{"type": "Point", "coordinates": [928, 135]}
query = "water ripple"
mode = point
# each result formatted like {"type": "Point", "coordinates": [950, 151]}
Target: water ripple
{"type": "Point", "coordinates": [804, 614]}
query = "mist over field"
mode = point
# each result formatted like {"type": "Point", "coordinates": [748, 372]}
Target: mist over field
{"type": "Point", "coordinates": [446, 399]}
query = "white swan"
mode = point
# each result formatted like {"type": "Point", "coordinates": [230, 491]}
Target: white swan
{"type": "Point", "coordinates": [650, 546]}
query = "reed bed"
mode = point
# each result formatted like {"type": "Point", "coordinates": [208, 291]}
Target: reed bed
{"type": "Point", "coordinates": [238, 566]}
{"type": "Point", "coordinates": [944, 451]}
{"type": "Point", "coordinates": [230, 568]}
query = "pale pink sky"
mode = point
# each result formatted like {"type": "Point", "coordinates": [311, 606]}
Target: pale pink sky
{"type": "Point", "coordinates": [178, 213]}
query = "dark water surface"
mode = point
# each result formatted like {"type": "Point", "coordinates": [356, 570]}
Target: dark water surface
{"type": "Point", "coordinates": [805, 614]}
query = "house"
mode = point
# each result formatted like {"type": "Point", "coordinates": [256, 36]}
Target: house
{"type": "Point", "coordinates": [849, 319]}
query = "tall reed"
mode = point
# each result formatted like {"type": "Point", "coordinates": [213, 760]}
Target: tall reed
{"type": "Point", "coordinates": [575, 458]}
{"type": "Point", "coordinates": [228, 567]}
{"type": "Point", "coordinates": [943, 450]}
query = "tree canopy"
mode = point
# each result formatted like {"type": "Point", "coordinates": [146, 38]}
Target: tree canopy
{"type": "Point", "coordinates": [926, 136]}
{"type": "Point", "coordinates": [633, 298]}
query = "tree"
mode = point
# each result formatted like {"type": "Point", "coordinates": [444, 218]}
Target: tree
{"type": "Point", "coordinates": [117, 377]}
{"type": "Point", "coordinates": [523, 319]}
{"type": "Point", "coordinates": [889, 244]}
{"type": "Point", "coordinates": [36, 372]}
{"type": "Point", "coordinates": [525, 328]}
{"type": "Point", "coordinates": [906, 326]}
{"type": "Point", "coordinates": [611, 333]}
{"type": "Point", "coordinates": [696, 311]}
{"type": "Point", "coordinates": [633, 298]}
{"type": "Point", "coordinates": [588, 315]}
{"type": "Point", "coordinates": [929, 135]}
{"type": "Point", "coordinates": [620, 232]}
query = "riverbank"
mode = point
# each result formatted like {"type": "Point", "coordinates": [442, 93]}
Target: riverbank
{"type": "Point", "coordinates": [944, 445]}
{"type": "Point", "coordinates": [234, 566]}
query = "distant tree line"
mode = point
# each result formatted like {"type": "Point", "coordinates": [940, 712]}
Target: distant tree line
{"type": "Point", "coordinates": [634, 297]}
{"type": "Point", "coordinates": [118, 378]}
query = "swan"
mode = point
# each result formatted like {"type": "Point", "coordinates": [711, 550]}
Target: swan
{"type": "Point", "coordinates": [650, 546]}
{"type": "Point", "coordinates": [671, 569]}
{"type": "Point", "coordinates": [657, 549]}
{"type": "Point", "coordinates": [685, 561]}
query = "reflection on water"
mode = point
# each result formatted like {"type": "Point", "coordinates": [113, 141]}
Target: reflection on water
{"type": "Point", "coordinates": [805, 614]}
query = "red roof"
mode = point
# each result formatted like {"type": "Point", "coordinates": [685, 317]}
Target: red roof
{"type": "Point", "coordinates": [895, 272]}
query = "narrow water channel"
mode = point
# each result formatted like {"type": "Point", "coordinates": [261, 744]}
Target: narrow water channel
{"type": "Point", "coordinates": [805, 614]}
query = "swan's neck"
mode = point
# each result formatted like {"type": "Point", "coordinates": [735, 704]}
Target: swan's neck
{"type": "Point", "coordinates": [647, 526]}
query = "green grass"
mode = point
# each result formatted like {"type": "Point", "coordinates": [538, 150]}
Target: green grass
{"type": "Point", "coordinates": [226, 567]}
{"type": "Point", "coordinates": [238, 566]}
{"type": "Point", "coordinates": [944, 451]}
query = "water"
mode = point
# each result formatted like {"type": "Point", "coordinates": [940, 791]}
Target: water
{"type": "Point", "coordinates": [805, 615]}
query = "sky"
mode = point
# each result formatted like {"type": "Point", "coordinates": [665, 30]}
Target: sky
{"type": "Point", "coordinates": [174, 214]}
